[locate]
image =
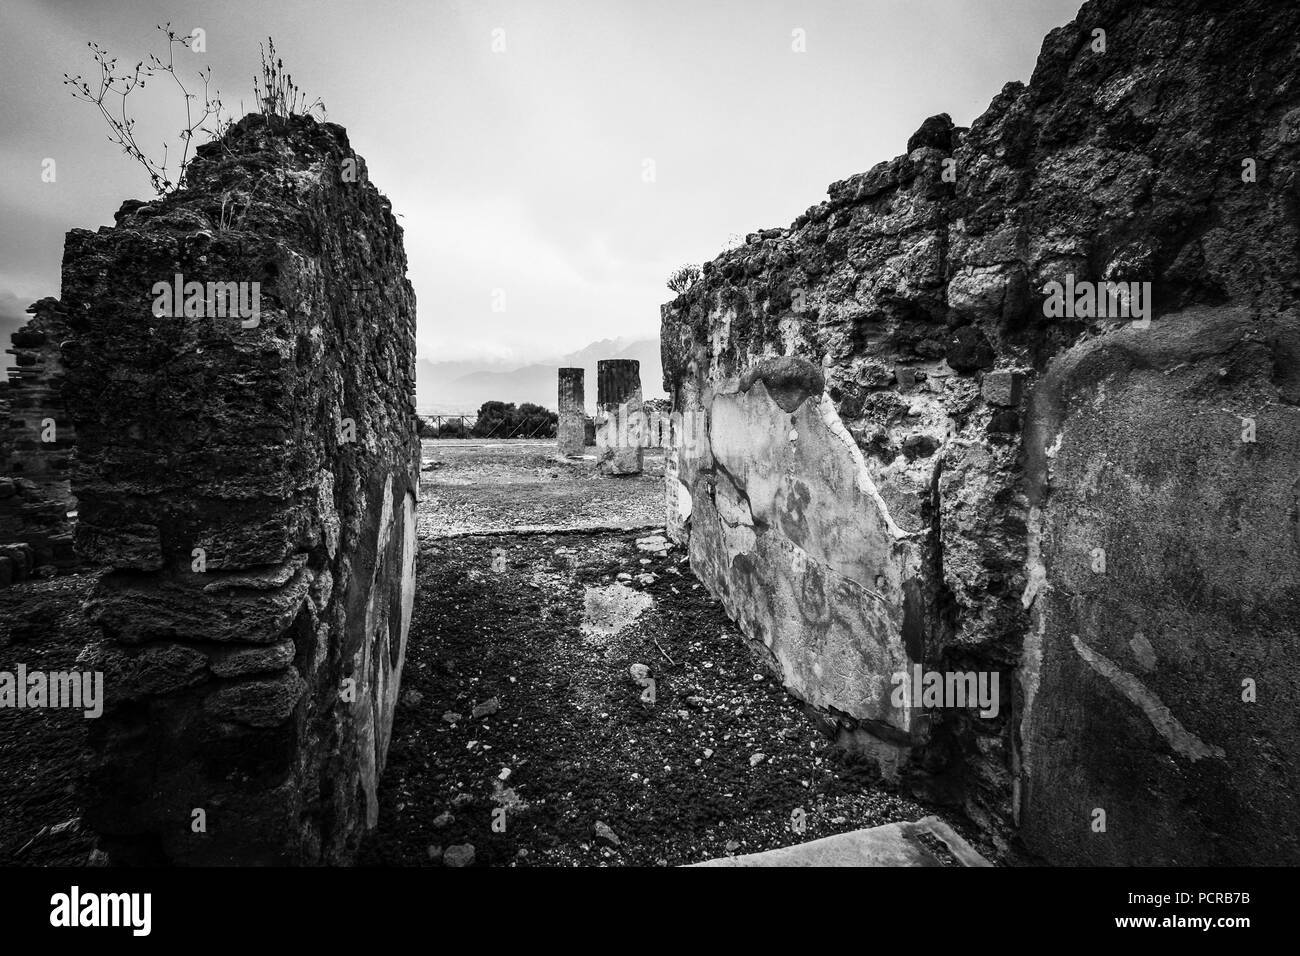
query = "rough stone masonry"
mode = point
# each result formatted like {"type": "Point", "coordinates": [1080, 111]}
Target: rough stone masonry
{"type": "Point", "coordinates": [571, 430]}
{"type": "Point", "coordinates": [906, 455]}
{"type": "Point", "coordinates": [249, 478]}
{"type": "Point", "coordinates": [36, 442]}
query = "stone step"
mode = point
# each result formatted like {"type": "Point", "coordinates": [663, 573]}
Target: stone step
{"type": "Point", "coordinates": [894, 844]}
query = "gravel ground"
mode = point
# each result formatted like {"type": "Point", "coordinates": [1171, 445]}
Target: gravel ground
{"type": "Point", "coordinates": [566, 763]}
{"type": "Point", "coordinates": [475, 487]}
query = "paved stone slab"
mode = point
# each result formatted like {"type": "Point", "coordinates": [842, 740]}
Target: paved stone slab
{"type": "Point", "coordinates": [895, 844]}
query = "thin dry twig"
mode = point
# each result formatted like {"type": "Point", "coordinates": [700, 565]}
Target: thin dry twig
{"type": "Point", "coordinates": [30, 843]}
{"type": "Point", "coordinates": [665, 653]}
{"type": "Point", "coordinates": [122, 126]}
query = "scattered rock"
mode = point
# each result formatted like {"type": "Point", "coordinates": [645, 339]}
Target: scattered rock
{"type": "Point", "coordinates": [435, 851]}
{"type": "Point", "coordinates": [452, 717]}
{"type": "Point", "coordinates": [412, 698]}
{"type": "Point", "coordinates": [487, 708]}
{"type": "Point", "coordinates": [458, 855]}
{"type": "Point", "coordinates": [506, 796]}
{"type": "Point", "coordinates": [654, 544]}
{"type": "Point", "coordinates": [462, 800]}
{"type": "Point", "coordinates": [605, 833]}
{"type": "Point", "coordinates": [443, 820]}
{"type": "Point", "coordinates": [757, 759]}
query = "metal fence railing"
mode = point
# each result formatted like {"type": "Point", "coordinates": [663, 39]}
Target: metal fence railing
{"type": "Point", "coordinates": [467, 426]}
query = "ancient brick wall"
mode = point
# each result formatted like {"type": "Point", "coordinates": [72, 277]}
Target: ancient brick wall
{"type": "Point", "coordinates": [36, 450]}
{"type": "Point", "coordinates": [249, 476]}
{"type": "Point", "coordinates": [896, 450]}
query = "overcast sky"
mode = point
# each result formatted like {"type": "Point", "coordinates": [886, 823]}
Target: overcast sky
{"type": "Point", "coordinates": [524, 170]}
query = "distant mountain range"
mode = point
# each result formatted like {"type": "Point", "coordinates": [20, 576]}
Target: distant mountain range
{"type": "Point", "coordinates": [459, 388]}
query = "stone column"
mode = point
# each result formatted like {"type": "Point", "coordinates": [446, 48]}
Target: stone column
{"type": "Point", "coordinates": [571, 433]}
{"type": "Point", "coordinates": [619, 418]}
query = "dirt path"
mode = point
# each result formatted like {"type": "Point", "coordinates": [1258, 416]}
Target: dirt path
{"type": "Point", "coordinates": [722, 761]}
{"type": "Point", "coordinates": [522, 730]}
{"type": "Point", "coordinates": [539, 633]}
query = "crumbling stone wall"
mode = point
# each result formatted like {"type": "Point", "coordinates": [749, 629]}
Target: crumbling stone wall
{"type": "Point", "coordinates": [892, 454]}
{"type": "Point", "coordinates": [250, 481]}
{"type": "Point", "coordinates": [36, 442]}
{"type": "Point", "coordinates": [6, 441]}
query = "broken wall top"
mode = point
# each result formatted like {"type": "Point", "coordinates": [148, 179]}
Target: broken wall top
{"type": "Point", "coordinates": [203, 409]}
{"type": "Point", "coordinates": [1122, 165]}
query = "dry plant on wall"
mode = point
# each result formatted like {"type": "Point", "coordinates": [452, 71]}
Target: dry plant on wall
{"type": "Point", "coordinates": [683, 277]}
{"type": "Point", "coordinates": [276, 93]}
{"type": "Point", "coordinates": [111, 90]}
